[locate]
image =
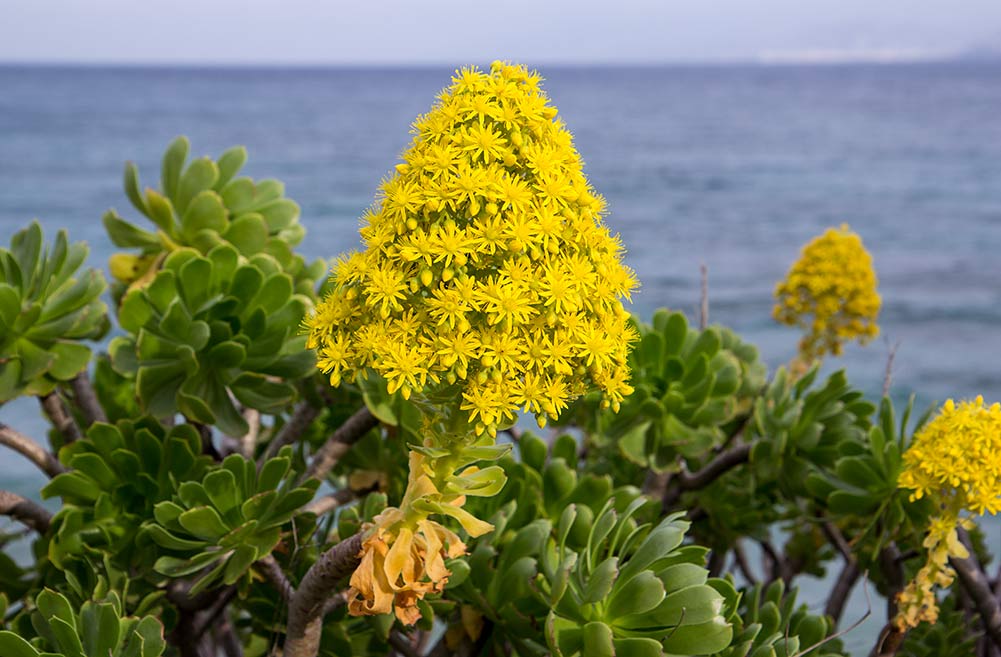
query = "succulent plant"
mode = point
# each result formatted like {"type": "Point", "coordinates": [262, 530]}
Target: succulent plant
{"type": "Point", "coordinates": [634, 590]}
{"type": "Point", "coordinates": [98, 628]}
{"type": "Point", "coordinates": [47, 307]}
{"type": "Point", "coordinates": [689, 385]}
{"type": "Point", "coordinates": [212, 328]}
{"type": "Point", "coordinates": [770, 624]}
{"type": "Point", "coordinates": [117, 474]}
{"type": "Point", "coordinates": [799, 428]}
{"type": "Point", "coordinates": [228, 520]}
{"type": "Point", "coordinates": [203, 204]}
{"type": "Point", "coordinates": [862, 484]}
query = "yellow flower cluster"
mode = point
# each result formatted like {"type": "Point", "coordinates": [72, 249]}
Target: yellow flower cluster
{"type": "Point", "coordinates": [487, 268]}
{"type": "Point", "coordinates": [830, 292]}
{"type": "Point", "coordinates": [917, 603]}
{"type": "Point", "coordinates": [956, 460]}
{"type": "Point", "coordinates": [958, 456]}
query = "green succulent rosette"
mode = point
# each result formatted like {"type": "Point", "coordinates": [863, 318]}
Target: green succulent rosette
{"type": "Point", "coordinates": [217, 527]}
{"type": "Point", "coordinates": [202, 204]}
{"type": "Point", "coordinates": [47, 307]}
{"type": "Point", "coordinates": [211, 331]}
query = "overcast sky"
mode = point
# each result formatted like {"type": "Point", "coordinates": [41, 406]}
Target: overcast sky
{"type": "Point", "coordinates": [457, 31]}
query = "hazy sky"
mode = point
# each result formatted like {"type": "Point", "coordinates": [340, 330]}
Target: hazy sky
{"type": "Point", "coordinates": [456, 31]}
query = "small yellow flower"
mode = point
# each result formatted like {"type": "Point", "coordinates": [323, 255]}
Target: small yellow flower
{"type": "Point", "coordinates": [830, 292]}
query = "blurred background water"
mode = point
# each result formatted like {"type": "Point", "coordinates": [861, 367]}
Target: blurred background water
{"type": "Point", "coordinates": [735, 167]}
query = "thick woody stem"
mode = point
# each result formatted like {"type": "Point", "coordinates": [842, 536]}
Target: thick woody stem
{"type": "Point", "coordinates": [340, 442]}
{"type": "Point", "coordinates": [972, 577]}
{"type": "Point", "coordinates": [31, 450]}
{"type": "Point", "coordinates": [57, 413]}
{"type": "Point", "coordinates": [86, 399]}
{"type": "Point", "coordinates": [305, 615]}
{"type": "Point", "coordinates": [25, 511]}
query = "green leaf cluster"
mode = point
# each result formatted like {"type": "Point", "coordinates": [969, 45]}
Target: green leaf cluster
{"type": "Point", "coordinates": [96, 629]}
{"type": "Point", "coordinates": [218, 527]}
{"type": "Point", "coordinates": [689, 385]}
{"type": "Point", "coordinates": [211, 329]}
{"type": "Point", "coordinates": [205, 203]}
{"type": "Point", "coordinates": [634, 590]}
{"type": "Point", "coordinates": [800, 427]}
{"type": "Point", "coordinates": [115, 476]}
{"type": "Point", "coordinates": [770, 624]}
{"type": "Point", "coordinates": [47, 307]}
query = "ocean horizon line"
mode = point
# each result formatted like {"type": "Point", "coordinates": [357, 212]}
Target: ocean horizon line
{"type": "Point", "coordinates": [764, 62]}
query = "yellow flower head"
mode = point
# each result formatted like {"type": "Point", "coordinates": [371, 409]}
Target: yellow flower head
{"type": "Point", "coordinates": [830, 292]}
{"type": "Point", "coordinates": [957, 457]}
{"type": "Point", "coordinates": [487, 269]}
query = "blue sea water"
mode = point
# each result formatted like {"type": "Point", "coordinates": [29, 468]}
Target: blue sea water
{"type": "Point", "coordinates": [734, 167]}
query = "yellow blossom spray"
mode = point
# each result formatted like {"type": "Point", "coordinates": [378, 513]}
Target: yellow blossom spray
{"type": "Point", "coordinates": [830, 293]}
{"type": "Point", "coordinates": [954, 460]}
{"type": "Point", "coordinates": [488, 284]}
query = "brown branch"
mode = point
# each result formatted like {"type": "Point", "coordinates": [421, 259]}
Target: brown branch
{"type": "Point", "coordinates": [889, 641]}
{"type": "Point", "coordinates": [31, 450]}
{"type": "Point", "coordinates": [778, 568]}
{"type": "Point", "coordinates": [306, 608]}
{"type": "Point", "coordinates": [339, 443]}
{"type": "Point", "coordinates": [704, 297]}
{"type": "Point", "coordinates": [298, 422]}
{"type": "Point", "coordinates": [891, 564]}
{"type": "Point", "coordinates": [725, 461]}
{"type": "Point", "coordinates": [206, 619]}
{"type": "Point", "coordinates": [328, 503]}
{"type": "Point", "coordinates": [401, 644]}
{"type": "Point", "coordinates": [655, 483]}
{"type": "Point", "coordinates": [740, 558]}
{"type": "Point", "coordinates": [972, 577]}
{"type": "Point", "coordinates": [849, 575]}
{"type": "Point", "coordinates": [837, 539]}
{"type": "Point", "coordinates": [25, 511]}
{"type": "Point", "coordinates": [333, 604]}
{"type": "Point", "coordinates": [226, 638]}
{"type": "Point", "coordinates": [60, 417]}
{"type": "Point", "coordinates": [710, 472]}
{"type": "Point", "coordinates": [272, 571]}
{"type": "Point", "coordinates": [86, 399]}
{"type": "Point", "coordinates": [843, 586]}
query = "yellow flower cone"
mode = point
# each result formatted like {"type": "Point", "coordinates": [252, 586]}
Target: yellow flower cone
{"type": "Point", "coordinates": [486, 266]}
{"type": "Point", "coordinates": [830, 292]}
